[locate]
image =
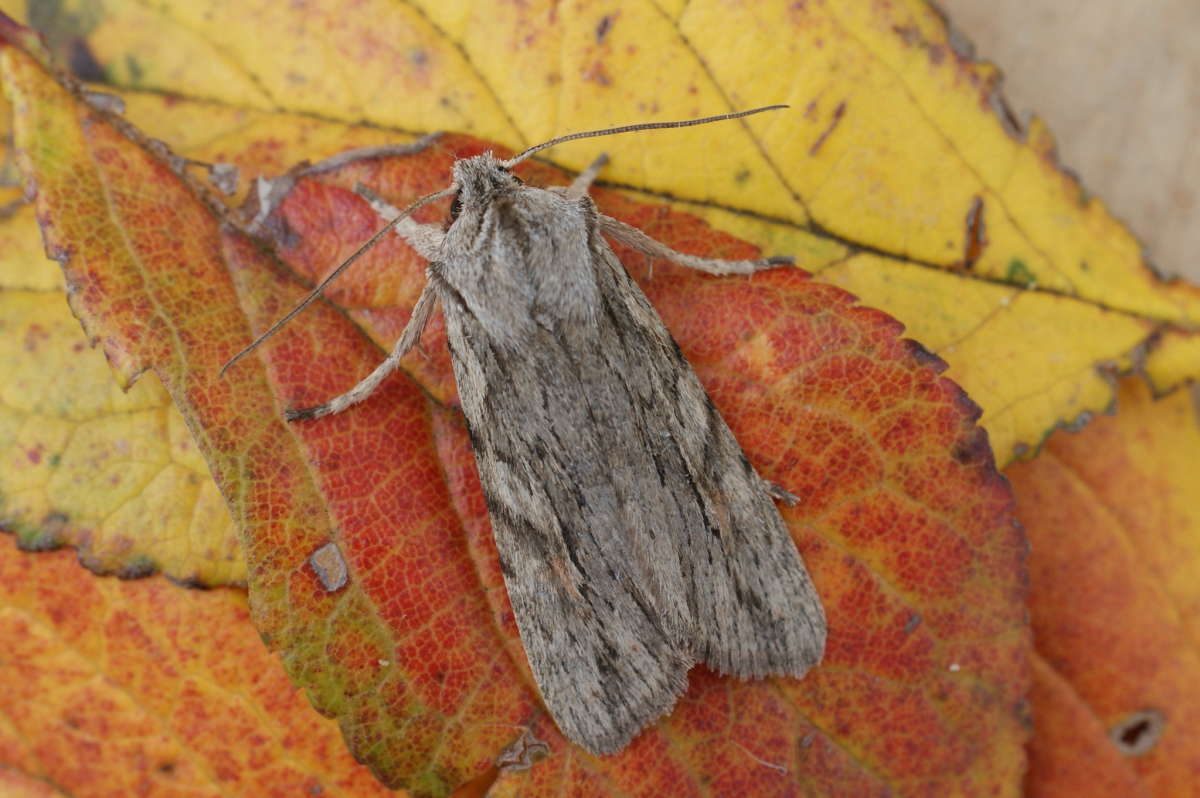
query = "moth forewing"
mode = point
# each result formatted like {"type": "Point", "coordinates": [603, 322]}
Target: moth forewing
{"type": "Point", "coordinates": [634, 536]}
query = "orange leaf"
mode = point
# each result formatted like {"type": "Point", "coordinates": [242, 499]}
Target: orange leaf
{"type": "Point", "coordinates": [1071, 751]}
{"type": "Point", "coordinates": [1113, 522]}
{"type": "Point", "coordinates": [904, 521]}
{"type": "Point", "coordinates": [137, 688]}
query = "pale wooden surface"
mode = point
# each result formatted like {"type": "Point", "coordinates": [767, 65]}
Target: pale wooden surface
{"type": "Point", "coordinates": [1119, 85]}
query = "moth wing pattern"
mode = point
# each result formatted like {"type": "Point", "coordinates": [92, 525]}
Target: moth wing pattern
{"type": "Point", "coordinates": [634, 536]}
{"type": "Point", "coordinates": [755, 608]}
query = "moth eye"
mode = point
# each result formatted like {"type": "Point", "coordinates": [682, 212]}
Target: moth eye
{"type": "Point", "coordinates": [456, 206]}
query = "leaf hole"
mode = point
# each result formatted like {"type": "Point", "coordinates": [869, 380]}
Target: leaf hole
{"type": "Point", "coordinates": [1137, 734]}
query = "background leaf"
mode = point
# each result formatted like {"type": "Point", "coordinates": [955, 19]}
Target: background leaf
{"type": "Point", "coordinates": [1115, 533]}
{"type": "Point", "coordinates": [113, 472]}
{"type": "Point", "coordinates": [124, 688]}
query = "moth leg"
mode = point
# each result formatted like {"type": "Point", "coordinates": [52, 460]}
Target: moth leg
{"type": "Point", "coordinates": [580, 185]}
{"type": "Point", "coordinates": [412, 333]}
{"type": "Point", "coordinates": [632, 237]}
{"type": "Point", "coordinates": [780, 493]}
{"type": "Point", "coordinates": [426, 239]}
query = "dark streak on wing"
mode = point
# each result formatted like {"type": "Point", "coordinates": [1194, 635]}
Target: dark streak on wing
{"type": "Point", "coordinates": [756, 610]}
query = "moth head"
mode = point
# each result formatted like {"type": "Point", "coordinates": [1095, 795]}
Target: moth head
{"type": "Point", "coordinates": [480, 180]}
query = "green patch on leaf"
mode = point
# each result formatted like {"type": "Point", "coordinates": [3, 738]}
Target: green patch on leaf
{"type": "Point", "coordinates": [1019, 273]}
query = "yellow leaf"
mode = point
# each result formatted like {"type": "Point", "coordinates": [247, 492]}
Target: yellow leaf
{"type": "Point", "coordinates": [114, 473]}
{"type": "Point", "coordinates": [985, 332]}
{"type": "Point", "coordinates": [898, 173]}
{"type": "Point", "coordinates": [1172, 360]}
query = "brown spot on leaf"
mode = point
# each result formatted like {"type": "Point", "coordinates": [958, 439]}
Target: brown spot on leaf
{"type": "Point", "coordinates": [976, 234]}
{"type": "Point", "coordinates": [83, 62]}
{"type": "Point", "coordinates": [837, 117]}
{"type": "Point", "coordinates": [604, 26]}
{"type": "Point", "coordinates": [36, 334]}
{"type": "Point", "coordinates": [596, 74]}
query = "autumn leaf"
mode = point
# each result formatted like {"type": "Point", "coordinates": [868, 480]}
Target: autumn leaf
{"type": "Point", "coordinates": [113, 472]}
{"type": "Point", "coordinates": [1113, 524]}
{"type": "Point", "coordinates": [142, 687]}
{"type": "Point", "coordinates": [905, 523]}
{"type": "Point", "coordinates": [900, 175]}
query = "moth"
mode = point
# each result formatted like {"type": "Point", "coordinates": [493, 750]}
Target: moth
{"type": "Point", "coordinates": [635, 537]}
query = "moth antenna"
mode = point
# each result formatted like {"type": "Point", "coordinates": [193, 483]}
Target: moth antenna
{"type": "Point", "coordinates": [316, 292]}
{"type": "Point", "coordinates": [587, 134]}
